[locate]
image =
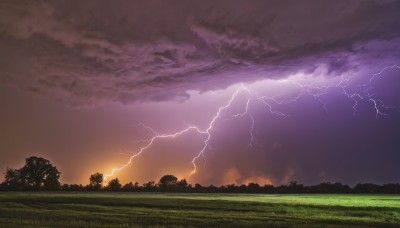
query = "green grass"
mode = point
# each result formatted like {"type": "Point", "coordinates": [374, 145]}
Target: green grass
{"type": "Point", "coordinates": [92, 209]}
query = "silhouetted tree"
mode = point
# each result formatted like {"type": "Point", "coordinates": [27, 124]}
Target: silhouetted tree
{"type": "Point", "coordinates": [327, 187]}
{"type": "Point", "coordinates": [12, 179]}
{"type": "Point", "coordinates": [168, 181]}
{"type": "Point", "coordinates": [293, 187]}
{"type": "Point", "coordinates": [38, 172]}
{"type": "Point", "coordinates": [212, 188]}
{"type": "Point", "coordinates": [366, 188]}
{"type": "Point", "coordinates": [114, 184]}
{"type": "Point", "coordinates": [253, 187]}
{"type": "Point", "coordinates": [182, 184]}
{"type": "Point", "coordinates": [131, 186]}
{"type": "Point", "coordinates": [391, 188]}
{"type": "Point", "coordinates": [197, 186]}
{"type": "Point", "coordinates": [229, 188]}
{"type": "Point", "coordinates": [268, 188]}
{"type": "Point", "coordinates": [96, 180]}
{"type": "Point", "coordinates": [73, 187]}
{"type": "Point", "coordinates": [149, 185]}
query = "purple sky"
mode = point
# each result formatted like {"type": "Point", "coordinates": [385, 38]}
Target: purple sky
{"type": "Point", "coordinates": [78, 80]}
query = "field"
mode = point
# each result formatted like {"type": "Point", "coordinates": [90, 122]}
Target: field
{"type": "Point", "coordinates": [107, 209]}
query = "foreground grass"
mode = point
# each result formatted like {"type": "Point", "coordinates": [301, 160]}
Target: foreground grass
{"type": "Point", "coordinates": [92, 209]}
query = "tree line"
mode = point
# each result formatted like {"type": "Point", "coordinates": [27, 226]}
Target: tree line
{"type": "Point", "coordinates": [39, 174]}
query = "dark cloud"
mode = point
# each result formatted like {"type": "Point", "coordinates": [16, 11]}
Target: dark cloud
{"type": "Point", "coordinates": [88, 53]}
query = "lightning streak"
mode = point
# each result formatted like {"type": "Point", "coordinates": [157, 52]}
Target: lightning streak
{"type": "Point", "coordinates": [207, 132]}
{"type": "Point", "coordinates": [210, 127]}
{"type": "Point", "coordinates": [151, 141]}
{"type": "Point", "coordinates": [174, 135]}
{"type": "Point", "coordinates": [364, 94]}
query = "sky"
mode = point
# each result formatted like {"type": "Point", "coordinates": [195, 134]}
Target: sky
{"type": "Point", "coordinates": [217, 92]}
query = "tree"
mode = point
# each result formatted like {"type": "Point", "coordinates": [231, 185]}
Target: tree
{"type": "Point", "coordinates": [168, 181]}
{"type": "Point", "coordinates": [12, 178]}
{"type": "Point", "coordinates": [114, 184]}
{"type": "Point", "coordinates": [96, 180]}
{"type": "Point", "coordinates": [149, 185]}
{"type": "Point", "coordinates": [366, 188]}
{"type": "Point", "coordinates": [182, 184]}
{"type": "Point", "coordinates": [130, 186]}
{"type": "Point", "coordinates": [253, 187]}
{"type": "Point", "coordinates": [39, 172]}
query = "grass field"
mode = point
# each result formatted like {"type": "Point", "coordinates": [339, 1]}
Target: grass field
{"type": "Point", "coordinates": [92, 209]}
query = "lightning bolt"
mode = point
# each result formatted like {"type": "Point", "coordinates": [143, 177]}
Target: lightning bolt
{"type": "Point", "coordinates": [314, 91]}
{"type": "Point", "coordinates": [364, 93]}
{"type": "Point", "coordinates": [206, 132]}
{"type": "Point", "coordinates": [150, 142]}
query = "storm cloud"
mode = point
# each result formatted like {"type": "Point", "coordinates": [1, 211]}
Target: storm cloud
{"type": "Point", "coordinates": [94, 52]}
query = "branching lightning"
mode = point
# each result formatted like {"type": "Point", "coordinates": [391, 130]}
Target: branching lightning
{"type": "Point", "coordinates": [363, 93]}
{"type": "Point", "coordinates": [207, 131]}
{"type": "Point", "coordinates": [151, 141]}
